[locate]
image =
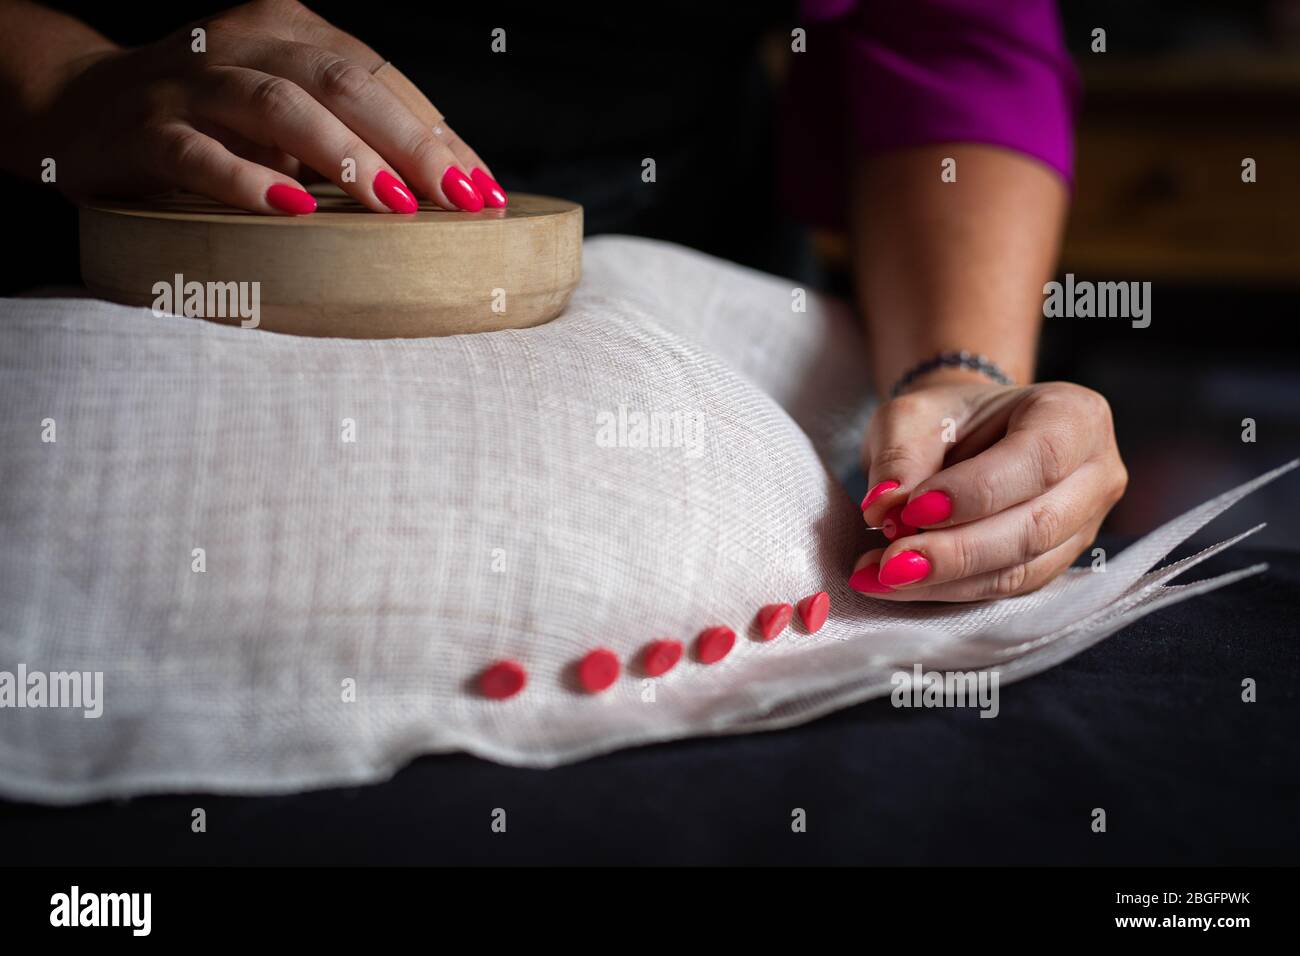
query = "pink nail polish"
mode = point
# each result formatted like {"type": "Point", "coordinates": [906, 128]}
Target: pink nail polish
{"type": "Point", "coordinates": [491, 191]}
{"type": "Point", "coordinates": [296, 202]}
{"type": "Point", "coordinates": [460, 190]}
{"type": "Point", "coordinates": [893, 526]}
{"type": "Point", "coordinates": [876, 492]}
{"type": "Point", "coordinates": [866, 580]}
{"type": "Point", "coordinates": [393, 194]}
{"type": "Point", "coordinates": [906, 567]}
{"type": "Point", "coordinates": [929, 508]}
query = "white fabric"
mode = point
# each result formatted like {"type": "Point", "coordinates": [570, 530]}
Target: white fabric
{"type": "Point", "coordinates": [475, 517]}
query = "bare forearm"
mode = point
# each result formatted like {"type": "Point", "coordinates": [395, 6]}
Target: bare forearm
{"type": "Point", "coordinates": [954, 265]}
{"type": "Point", "coordinates": [38, 49]}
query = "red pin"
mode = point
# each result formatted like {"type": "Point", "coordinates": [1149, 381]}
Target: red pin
{"type": "Point", "coordinates": [893, 525]}
{"type": "Point", "coordinates": [714, 644]}
{"type": "Point", "coordinates": [813, 611]}
{"type": "Point", "coordinates": [503, 679]}
{"type": "Point", "coordinates": [661, 657]}
{"type": "Point", "coordinates": [598, 670]}
{"type": "Point", "coordinates": [773, 619]}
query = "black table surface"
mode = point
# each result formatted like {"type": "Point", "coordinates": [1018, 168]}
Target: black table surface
{"type": "Point", "coordinates": [1150, 726]}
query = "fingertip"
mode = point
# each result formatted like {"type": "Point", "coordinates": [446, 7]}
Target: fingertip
{"type": "Point", "coordinates": [491, 191]}
{"type": "Point", "coordinates": [462, 193]}
{"type": "Point", "coordinates": [878, 489]}
{"type": "Point", "coordinates": [290, 199]}
{"type": "Point", "coordinates": [927, 509]}
{"type": "Point", "coordinates": [866, 578]}
{"type": "Point", "coordinates": [875, 511]}
{"type": "Point", "coordinates": [394, 193]}
{"type": "Point", "coordinates": [904, 568]}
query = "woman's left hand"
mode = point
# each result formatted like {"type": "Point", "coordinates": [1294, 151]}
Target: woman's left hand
{"type": "Point", "coordinates": [999, 488]}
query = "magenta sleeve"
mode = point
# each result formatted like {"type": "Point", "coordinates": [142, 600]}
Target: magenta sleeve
{"type": "Point", "coordinates": [882, 74]}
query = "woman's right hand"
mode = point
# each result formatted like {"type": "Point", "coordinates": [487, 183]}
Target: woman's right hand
{"type": "Point", "coordinates": [277, 92]}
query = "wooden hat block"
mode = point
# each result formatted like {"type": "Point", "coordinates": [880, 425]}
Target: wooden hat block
{"type": "Point", "coordinates": [344, 270]}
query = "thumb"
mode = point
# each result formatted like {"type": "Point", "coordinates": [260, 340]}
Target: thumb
{"type": "Point", "coordinates": [904, 447]}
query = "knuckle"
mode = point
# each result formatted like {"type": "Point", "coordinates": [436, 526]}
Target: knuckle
{"type": "Point", "coordinates": [273, 97]}
{"type": "Point", "coordinates": [904, 406]}
{"type": "Point", "coordinates": [1095, 401]}
{"type": "Point", "coordinates": [340, 78]}
{"type": "Point", "coordinates": [1044, 530]}
{"type": "Point", "coordinates": [1053, 397]}
{"type": "Point", "coordinates": [1053, 453]}
{"type": "Point", "coordinates": [1009, 581]}
{"type": "Point", "coordinates": [423, 150]}
{"type": "Point", "coordinates": [1119, 484]}
{"type": "Point", "coordinates": [984, 491]}
{"type": "Point", "coordinates": [1077, 397]}
{"type": "Point", "coordinates": [154, 106]}
{"type": "Point", "coordinates": [963, 557]}
{"type": "Point", "coordinates": [181, 148]}
{"type": "Point", "coordinates": [892, 454]}
{"type": "Point", "coordinates": [1058, 391]}
{"type": "Point", "coordinates": [1099, 403]}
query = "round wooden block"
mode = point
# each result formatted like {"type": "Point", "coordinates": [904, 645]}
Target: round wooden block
{"type": "Point", "coordinates": [344, 270]}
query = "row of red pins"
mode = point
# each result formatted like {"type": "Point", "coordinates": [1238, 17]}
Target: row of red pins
{"type": "Point", "coordinates": [599, 669]}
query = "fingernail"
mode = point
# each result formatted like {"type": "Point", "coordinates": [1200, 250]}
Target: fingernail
{"type": "Point", "coordinates": [929, 508]}
{"type": "Point", "coordinates": [393, 194]}
{"type": "Point", "coordinates": [460, 190]}
{"type": "Point", "coordinates": [906, 567]}
{"type": "Point", "coordinates": [290, 199]}
{"type": "Point", "coordinates": [493, 194]}
{"type": "Point", "coordinates": [893, 526]}
{"type": "Point", "coordinates": [876, 492]}
{"type": "Point", "coordinates": [866, 580]}
{"type": "Point", "coordinates": [813, 611]}
{"type": "Point", "coordinates": [773, 618]}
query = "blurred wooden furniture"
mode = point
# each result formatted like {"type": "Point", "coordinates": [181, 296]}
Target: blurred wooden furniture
{"type": "Point", "coordinates": [1160, 192]}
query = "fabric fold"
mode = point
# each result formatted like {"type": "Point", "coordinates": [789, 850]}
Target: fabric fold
{"type": "Point", "coordinates": [289, 560]}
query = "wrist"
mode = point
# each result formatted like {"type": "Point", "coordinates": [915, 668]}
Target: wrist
{"type": "Point", "coordinates": [945, 376]}
{"type": "Point", "coordinates": [948, 367]}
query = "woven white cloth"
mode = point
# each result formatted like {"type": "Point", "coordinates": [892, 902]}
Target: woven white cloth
{"type": "Point", "coordinates": [478, 514]}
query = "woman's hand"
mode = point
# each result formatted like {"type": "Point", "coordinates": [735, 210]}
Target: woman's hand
{"type": "Point", "coordinates": [999, 488]}
{"type": "Point", "coordinates": [277, 92]}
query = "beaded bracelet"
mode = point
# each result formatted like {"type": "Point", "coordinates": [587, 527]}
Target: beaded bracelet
{"type": "Point", "coordinates": [963, 359]}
